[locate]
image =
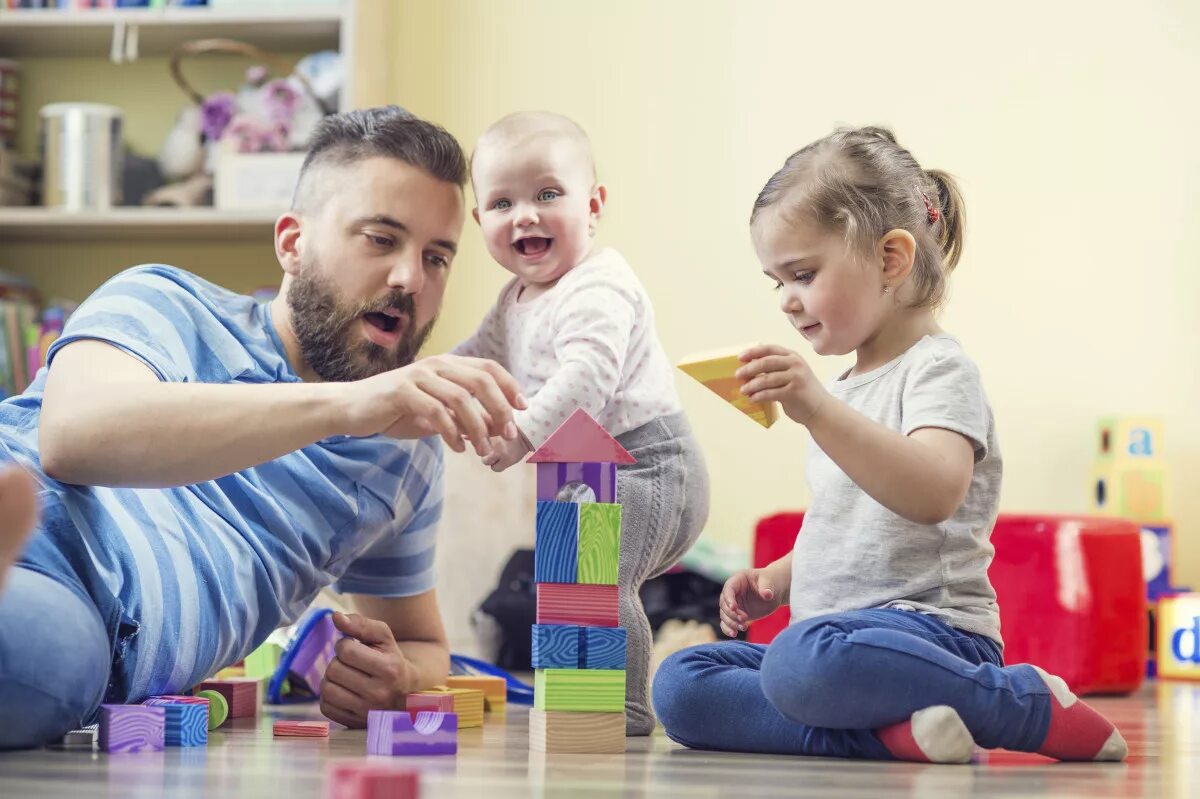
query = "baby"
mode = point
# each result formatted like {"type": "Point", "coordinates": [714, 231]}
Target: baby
{"type": "Point", "coordinates": [575, 327]}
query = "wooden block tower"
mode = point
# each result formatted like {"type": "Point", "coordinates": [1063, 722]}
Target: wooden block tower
{"type": "Point", "coordinates": [1129, 480]}
{"type": "Point", "coordinates": [578, 643]}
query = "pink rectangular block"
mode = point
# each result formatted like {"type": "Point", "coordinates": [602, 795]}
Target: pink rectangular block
{"type": "Point", "coordinates": [570, 603]}
{"type": "Point", "coordinates": [242, 695]}
{"type": "Point", "coordinates": [300, 729]}
{"type": "Point", "coordinates": [394, 732]}
{"type": "Point", "coordinates": [438, 703]}
{"type": "Point", "coordinates": [132, 728]}
{"type": "Point", "coordinates": [359, 780]}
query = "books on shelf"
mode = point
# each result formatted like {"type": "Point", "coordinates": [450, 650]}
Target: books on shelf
{"type": "Point", "coordinates": [26, 332]}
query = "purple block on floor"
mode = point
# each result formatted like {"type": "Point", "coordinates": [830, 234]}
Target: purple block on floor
{"type": "Point", "coordinates": [395, 732]}
{"type": "Point", "coordinates": [132, 728]}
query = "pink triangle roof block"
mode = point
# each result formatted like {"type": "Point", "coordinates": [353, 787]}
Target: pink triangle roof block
{"type": "Point", "coordinates": [581, 439]}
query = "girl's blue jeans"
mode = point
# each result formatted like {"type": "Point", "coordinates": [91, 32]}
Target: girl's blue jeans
{"type": "Point", "coordinates": [824, 684]}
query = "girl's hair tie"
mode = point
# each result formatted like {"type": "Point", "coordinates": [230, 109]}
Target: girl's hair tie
{"type": "Point", "coordinates": [933, 213]}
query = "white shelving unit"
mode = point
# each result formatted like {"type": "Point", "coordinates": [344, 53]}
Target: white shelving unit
{"type": "Point", "coordinates": [99, 32]}
{"type": "Point", "coordinates": [51, 32]}
{"type": "Point", "coordinates": [46, 224]}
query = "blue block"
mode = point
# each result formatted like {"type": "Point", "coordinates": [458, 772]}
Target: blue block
{"type": "Point", "coordinates": [603, 648]}
{"type": "Point", "coordinates": [186, 724]}
{"type": "Point", "coordinates": [556, 551]}
{"type": "Point", "coordinates": [556, 646]}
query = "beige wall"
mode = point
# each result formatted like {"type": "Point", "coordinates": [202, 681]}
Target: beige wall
{"type": "Point", "coordinates": [1071, 131]}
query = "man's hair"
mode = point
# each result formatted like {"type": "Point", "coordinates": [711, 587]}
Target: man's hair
{"type": "Point", "coordinates": [384, 132]}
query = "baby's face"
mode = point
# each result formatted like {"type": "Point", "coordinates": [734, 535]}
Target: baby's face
{"type": "Point", "coordinates": [538, 206]}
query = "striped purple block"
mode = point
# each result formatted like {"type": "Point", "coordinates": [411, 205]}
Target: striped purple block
{"type": "Point", "coordinates": [132, 728]}
{"type": "Point", "coordinates": [395, 732]}
{"type": "Point", "coordinates": [600, 477]}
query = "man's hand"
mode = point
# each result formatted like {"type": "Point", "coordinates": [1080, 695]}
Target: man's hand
{"type": "Point", "coordinates": [506, 453]}
{"type": "Point", "coordinates": [748, 595]}
{"type": "Point", "coordinates": [369, 673]}
{"type": "Point", "coordinates": [775, 374]}
{"type": "Point", "coordinates": [455, 397]}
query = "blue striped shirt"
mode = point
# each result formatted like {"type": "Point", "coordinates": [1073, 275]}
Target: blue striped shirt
{"type": "Point", "coordinates": [205, 572]}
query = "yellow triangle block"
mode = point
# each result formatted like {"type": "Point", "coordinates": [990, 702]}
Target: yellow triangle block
{"type": "Point", "coordinates": [715, 371]}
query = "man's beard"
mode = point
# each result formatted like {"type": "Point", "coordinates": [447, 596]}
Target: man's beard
{"type": "Point", "coordinates": [329, 335]}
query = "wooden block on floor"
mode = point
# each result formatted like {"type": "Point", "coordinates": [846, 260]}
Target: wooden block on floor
{"type": "Point", "coordinates": [437, 702]}
{"type": "Point", "coordinates": [715, 371]}
{"type": "Point", "coordinates": [284, 728]}
{"type": "Point", "coordinates": [468, 704]}
{"type": "Point", "coordinates": [597, 690]}
{"type": "Point", "coordinates": [556, 646]}
{"type": "Point", "coordinates": [604, 648]}
{"type": "Point", "coordinates": [556, 550]}
{"type": "Point", "coordinates": [241, 694]}
{"type": "Point", "coordinates": [578, 733]}
{"type": "Point", "coordinates": [585, 605]}
{"type": "Point", "coordinates": [132, 728]}
{"type": "Point", "coordinates": [495, 689]}
{"type": "Point", "coordinates": [356, 779]}
{"type": "Point", "coordinates": [394, 732]}
{"type": "Point", "coordinates": [186, 722]}
{"type": "Point", "coordinates": [599, 542]}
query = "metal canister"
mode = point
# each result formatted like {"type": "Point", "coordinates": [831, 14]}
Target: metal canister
{"type": "Point", "coordinates": [81, 156]}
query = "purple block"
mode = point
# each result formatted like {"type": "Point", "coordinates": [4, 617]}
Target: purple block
{"type": "Point", "coordinates": [132, 728]}
{"type": "Point", "coordinates": [600, 477]}
{"type": "Point", "coordinates": [395, 732]}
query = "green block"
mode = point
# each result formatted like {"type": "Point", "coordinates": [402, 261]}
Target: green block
{"type": "Point", "coordinates": [599, 542]}
{"type": "Point", "coordinates": [262, 662]}
{"type": "Point", "coordinates": [598, 690]}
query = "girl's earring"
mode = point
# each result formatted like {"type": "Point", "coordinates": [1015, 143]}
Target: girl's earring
{"type": "Point", "coordinates": [886, 288]}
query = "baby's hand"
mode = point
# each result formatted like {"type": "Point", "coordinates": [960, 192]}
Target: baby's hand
{"type": "Point", "coordinates": [747, 595]}
{"type": "Point", "coordinates": [506, 453]}
{"type": "Point", "coordinates": [775, 374]}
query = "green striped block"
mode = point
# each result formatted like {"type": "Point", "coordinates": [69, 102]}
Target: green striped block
{"type": "Point", "coordinates": [600, 690]}
{"type": "Point", "coordinates": [599, 542]}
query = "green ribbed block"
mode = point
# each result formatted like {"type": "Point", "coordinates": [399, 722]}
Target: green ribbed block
{"type": "Point", "coordinates": [599, 690]}
{"type": "Point", "coordinates": [599, 542]}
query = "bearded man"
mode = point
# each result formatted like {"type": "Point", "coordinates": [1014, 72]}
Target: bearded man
{"type": "Point", "coordinates": [193, 466]}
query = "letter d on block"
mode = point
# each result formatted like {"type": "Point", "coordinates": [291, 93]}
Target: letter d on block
{"type": "Point", "coordinates": [1177, 642]}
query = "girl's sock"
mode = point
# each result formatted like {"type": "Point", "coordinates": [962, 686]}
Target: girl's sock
{"type": "Point", "coordinates": [931, 735]}
{"type": "Point", "coordinates": [1077, 731]}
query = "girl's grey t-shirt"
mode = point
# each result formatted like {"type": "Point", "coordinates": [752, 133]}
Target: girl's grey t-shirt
{"type": "Point", "coordinates": [853, 553]}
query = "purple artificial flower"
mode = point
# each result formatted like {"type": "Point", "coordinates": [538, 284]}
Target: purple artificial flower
{"type": "Point", "coordinates": [215, 114]}
{"type": "Point", "coordinates": [280, 100]}
{"type": "Point", "coordinates": [247, 134]}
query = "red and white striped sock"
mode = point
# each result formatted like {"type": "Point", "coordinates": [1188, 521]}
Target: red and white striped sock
{"type": "Point", "coordinates": [1077, 731]}
{"type": "Point", "coordinates": [931, 735]}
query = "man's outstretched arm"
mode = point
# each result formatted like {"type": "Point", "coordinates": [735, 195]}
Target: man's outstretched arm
{"type": "Point", "coordinates": [108, 420]}
{"type": "Point", "coordinates": [396, 646]}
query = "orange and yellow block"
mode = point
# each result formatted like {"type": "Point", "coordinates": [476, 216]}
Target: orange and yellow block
{"type": "Point", "coordinates": [468, 703]}
{"type": "Point", "coordinates": [715, 371]}
{"type": "Point", "coordinates": [495, 691]}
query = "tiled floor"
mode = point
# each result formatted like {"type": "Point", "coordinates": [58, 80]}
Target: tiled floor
{"type": "Point", "coordinates": [1161, 722]}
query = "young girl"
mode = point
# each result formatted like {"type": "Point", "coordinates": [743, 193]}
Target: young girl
{"type": "Point", "coordinates": [894, 646]}
{"type": "Point", "coordinates": [576, 329]}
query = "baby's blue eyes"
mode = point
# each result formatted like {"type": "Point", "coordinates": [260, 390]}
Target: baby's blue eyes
{"type": "Point", "coordinates": [543, 196]}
